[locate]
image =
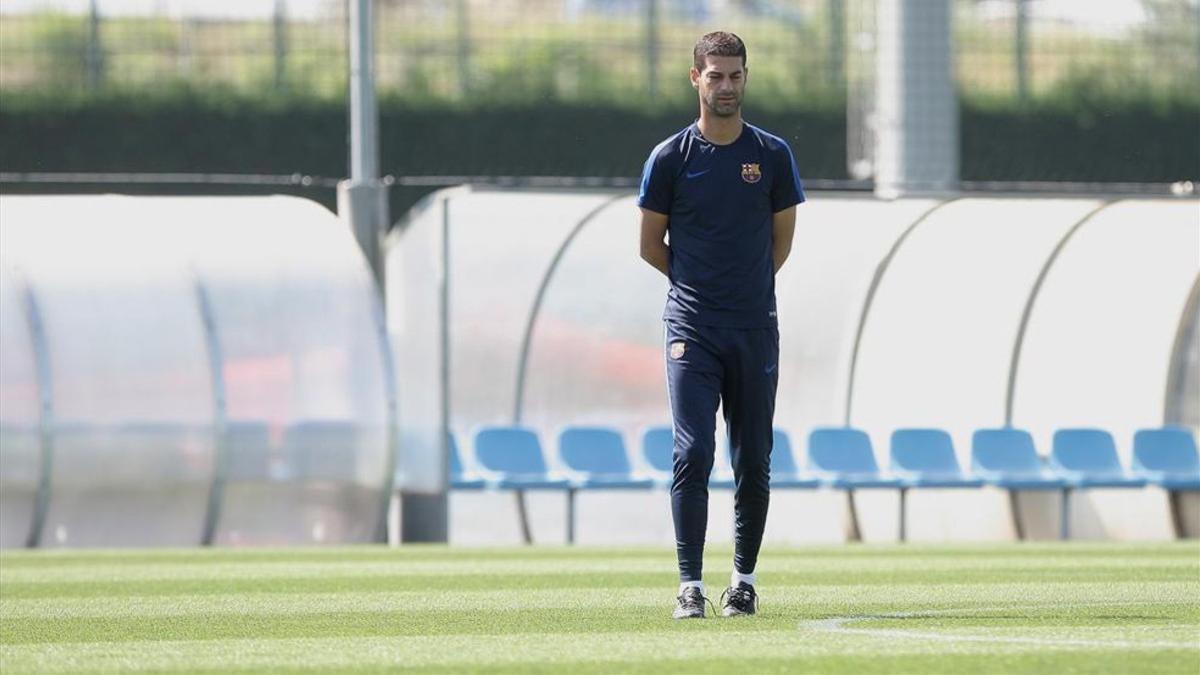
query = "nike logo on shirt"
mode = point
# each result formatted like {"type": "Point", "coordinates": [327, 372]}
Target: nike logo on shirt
{"type": "Point", "coordinates": [697, 174]}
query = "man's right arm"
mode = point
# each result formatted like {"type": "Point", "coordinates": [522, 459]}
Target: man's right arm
{"type": "Point", "coordinates": [654, 246]}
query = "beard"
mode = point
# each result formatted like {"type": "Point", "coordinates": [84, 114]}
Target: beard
{"type": "Point", "coordinates": [721, 108]}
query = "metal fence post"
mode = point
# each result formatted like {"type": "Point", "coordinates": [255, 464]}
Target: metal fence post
{"type": "Point", "coordinates": [279, 40]}
{"type": "Point", "coordinates": [916, 144]}
{"type": "Point", "coordinates": [463, 52]}
{"type": "Point", "coordinates": [835, 69]}
{"type": "Point", "coordinates": [1022, 50]}
{"type": "Point", "coordinates": [362, 200]}
{"type": "Point", "coordinates": [652, 48]}
{"type": "Point", "coordinates": [94, 57]}
{"type": "Point", "coordinates": [860, 91]}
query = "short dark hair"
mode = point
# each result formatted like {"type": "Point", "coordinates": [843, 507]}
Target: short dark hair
{"type": "Point", "coordinates": [718, 43]}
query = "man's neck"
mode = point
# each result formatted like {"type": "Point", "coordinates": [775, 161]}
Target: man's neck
{"type": "Point", "coordinates": [720, 130]}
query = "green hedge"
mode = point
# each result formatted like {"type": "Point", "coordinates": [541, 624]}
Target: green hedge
{"type": "Point", "coordinates": [185, 132]}
{"type": "Point", "coordinates": [194, 134]}
{"type": "Point", "coordinates": [1099, 141]}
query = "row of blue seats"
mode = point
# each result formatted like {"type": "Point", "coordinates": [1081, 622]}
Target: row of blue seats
{"type": "Point", "coordinates": [842, 458]}
{"type": "Point", "coordinates": [318, 450]}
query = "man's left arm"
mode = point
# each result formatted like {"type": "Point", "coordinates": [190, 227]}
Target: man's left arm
{"type": "Point", "coordinates": [786, 193]}
{"type": "Point", "coordinates": [783, 229]}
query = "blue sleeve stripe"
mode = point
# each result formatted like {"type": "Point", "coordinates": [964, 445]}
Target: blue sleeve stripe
{"type": "Point", "coordinates": [795, 174]}
{"type": "Point", "coordinates": [645, 198]}
{"type": "Point", "coordinates": [646, 170]}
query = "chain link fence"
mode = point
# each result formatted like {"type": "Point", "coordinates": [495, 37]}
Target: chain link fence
{"type": "Point", "coordinates": [803, 53]}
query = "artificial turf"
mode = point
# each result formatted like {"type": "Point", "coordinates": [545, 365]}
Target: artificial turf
{"type": "Point", "coordinates": [1054, 608]}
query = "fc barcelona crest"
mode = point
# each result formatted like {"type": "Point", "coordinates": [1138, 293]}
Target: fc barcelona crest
{"type": "Point", "coordinates": [677, 349]}
{"type": "Point", "coordinates": [751, 173]}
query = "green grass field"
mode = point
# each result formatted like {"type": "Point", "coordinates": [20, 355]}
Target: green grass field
{"type": "Point", "coordinates": [1053, 608]}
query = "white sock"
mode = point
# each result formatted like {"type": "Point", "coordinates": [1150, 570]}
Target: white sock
{"type": "Point", "coordinates": [739, 577]}
{"type": "Point", "coordinates": [691, 584]}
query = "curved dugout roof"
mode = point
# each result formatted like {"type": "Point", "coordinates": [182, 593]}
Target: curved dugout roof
{"type": "Point", "coordinates": [498, 248]}
{"type": "Point", "coordinates": [213, 370]}
{"type": "Point", "coordinates": [943, 287]}
{"type": "Point", "coordinates": [937, 342]}
{"type": "Point", "coordinates": [1101, 333]}
{"type": "Point", "coordinates": [601, 360]}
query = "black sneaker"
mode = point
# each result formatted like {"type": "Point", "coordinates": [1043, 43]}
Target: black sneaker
{"type": "Point", "coordinates": [739, 600]}
{"type": "Point", "coordinates": [691, 604]}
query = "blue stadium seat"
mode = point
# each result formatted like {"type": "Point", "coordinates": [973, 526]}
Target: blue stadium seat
{"type": "Point", "coordinates": [842, 458]}
{"type": "Point", "coordinates": [658, 451]}
{"type": "Point", "coordinates": [460, 479]}
{"type": "Point", "coordinates": [1008, 459]}
{"type": "Point", "coordinates": [514, 454]}
{"type": "Point", "coordinates": [1087, 458]}
{"type": "Point", "coordinates": [924, 458]}
{"type": "Point", "coordinates": [512, 457]}
{"type": "Point", "coordinates": [598, 456]}
{"type": "Point", "coordinates": [1167, 457]}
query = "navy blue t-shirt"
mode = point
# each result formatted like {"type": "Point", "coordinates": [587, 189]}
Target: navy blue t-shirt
{"type": "Point", "coordinates": [720, 200]}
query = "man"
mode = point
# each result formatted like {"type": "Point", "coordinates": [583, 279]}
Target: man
{"type": "Point", "coordinates": [726, 192]}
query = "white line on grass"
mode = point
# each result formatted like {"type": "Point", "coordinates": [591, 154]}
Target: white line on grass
{"type": "Point", "coordinates": [841, 624]}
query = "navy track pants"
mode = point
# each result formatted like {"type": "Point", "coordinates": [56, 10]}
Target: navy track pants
{"type": "Point", "coordinates": [738, 369]}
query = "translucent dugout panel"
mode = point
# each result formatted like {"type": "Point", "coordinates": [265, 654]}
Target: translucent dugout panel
{"type": "Point", "coordinates": [938, 340]}
{"type": "Point", "coordinates": [20, 446]}
{"type": "Point", "coordinates": [1098, 347]}
{"type": "Point", "coordinates": [500, 245]}
{"type": "Point", "coordinates": [200, 347]}
{"type": "Point", "coordinates": [596, 354]}
{"type": "Point", "coordinates": [839, 242]}
{"type": "Point", "coordinates": [133, 406]}
{"type": "Point", "coordinates": [299, 328]}
{"type": "Point", "coordinates": [936, 348]}
{"type": "Point", "coordinates": [416, 315]}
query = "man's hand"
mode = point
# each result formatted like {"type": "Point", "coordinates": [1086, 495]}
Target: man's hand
{"type": "Point", "coordinates": [654, 246]}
